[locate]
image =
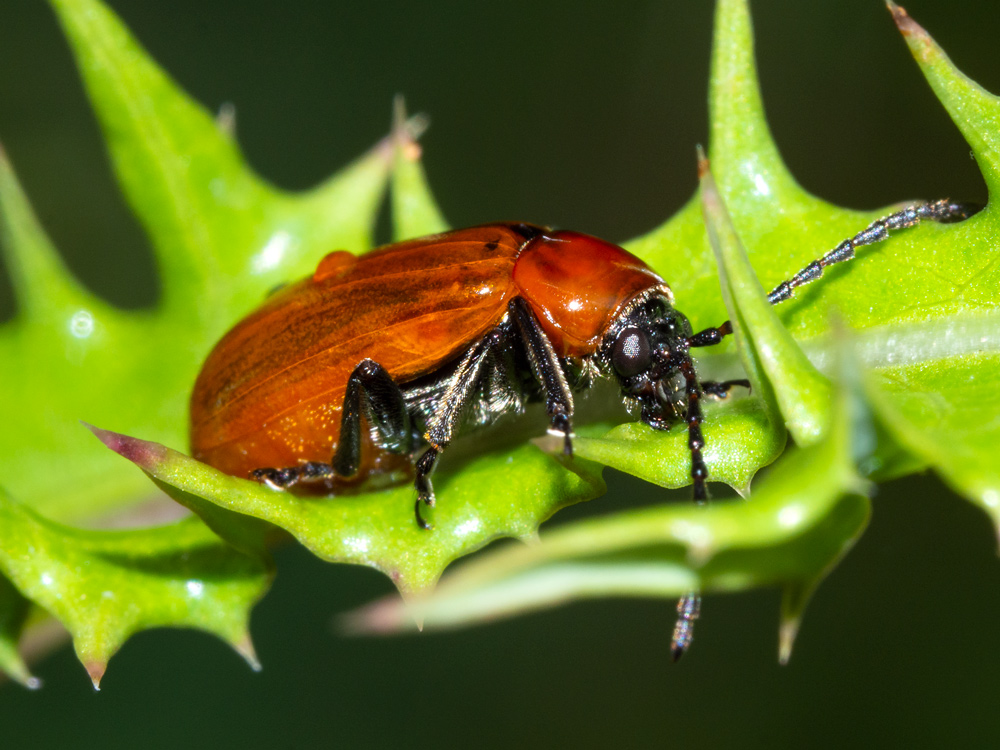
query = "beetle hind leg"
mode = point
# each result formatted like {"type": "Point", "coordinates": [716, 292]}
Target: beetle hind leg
{"type": "Point", "coordinates": [370, 391]}
{"type": "Point", "coordinates": [282, 479]}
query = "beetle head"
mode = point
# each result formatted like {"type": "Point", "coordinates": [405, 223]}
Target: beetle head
{"type": "Point", "coordinates": [645, 350]}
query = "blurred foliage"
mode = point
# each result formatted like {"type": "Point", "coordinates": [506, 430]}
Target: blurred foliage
{"type": "Point", "coordinates": [223, 237]}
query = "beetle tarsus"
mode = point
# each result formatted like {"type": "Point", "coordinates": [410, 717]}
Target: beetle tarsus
{"type": "Point", "coordinates": [720, 390]}
{"type": "Point", "coordinates": [422, 482]}
{"type": "Point", "coordinates": [421, 521]}
{"type": "Point", "coordinates": [562, 427]}
{"type": "Point", "coordinates": [276, 479]}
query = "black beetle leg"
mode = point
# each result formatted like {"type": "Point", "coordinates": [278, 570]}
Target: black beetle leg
{"type": "Point", "coordinates": [547, 370]}
{"type": "Point", "coordinates": [462, 389]}
{"type": "Point", "coordinates": [371, 390]}
{"type": "Point", "coordinates": [688, 610]}
{"type": "Point", "coordinates": [721, 389]}
{"type": "Point", "coordinates": [689, 606]}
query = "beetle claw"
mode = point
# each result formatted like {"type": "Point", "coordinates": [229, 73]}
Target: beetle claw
{"type": "Point", "coordinates": [276, 479]}
{"type": "Point", "coordinates": [421, 522]}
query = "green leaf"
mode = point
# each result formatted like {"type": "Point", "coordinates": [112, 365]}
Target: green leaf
{"type": "Point", "coordinates": [739, 437]}
{"type": "Point", "coordinates": [806, 514]}
{"type": "Point", "coordinates": [222, 239]}
{"type": "Point", "coordinates": [498, 494]}
{"type": "Point", "coordinates": [415, 213]}
{"type": "Point", "coordinates": [776, 365]}
{"type": "Point", "coordinates": [946, 409]}
{"type": "Point", "coordinates": [948, 414]}
{"type": "Point", "coordinates": [923, 308]}
{"type": "Point", "coordinates": [106, 585]}
{"type": "Point", "coordinates": [14, 610]}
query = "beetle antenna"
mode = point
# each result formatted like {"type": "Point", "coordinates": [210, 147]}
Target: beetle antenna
{"type": "Point", "coordinates": [943, 211]}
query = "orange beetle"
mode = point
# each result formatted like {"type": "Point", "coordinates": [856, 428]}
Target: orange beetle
{"type": "Point", "coordinates": [423, 338]}
{"type": "Point", "coordinates": [378, 361]}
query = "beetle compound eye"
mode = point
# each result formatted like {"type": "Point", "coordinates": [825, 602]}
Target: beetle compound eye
{"type": "Point", "coordinates": [631, 354]}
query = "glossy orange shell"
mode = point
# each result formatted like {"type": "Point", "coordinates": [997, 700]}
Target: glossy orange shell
{"type": "Point", "coordinates": [270, 394]}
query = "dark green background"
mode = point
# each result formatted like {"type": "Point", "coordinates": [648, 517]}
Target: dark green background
{"type": "Point", "coordinates": [581, 115]}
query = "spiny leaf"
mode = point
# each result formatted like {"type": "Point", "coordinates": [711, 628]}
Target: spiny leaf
{"type": "Point", "coordinates": [500, 494]}
{"type": "Point", "coordinates": [415, 213]}
{"type": "Point", "coordinates": [222, 239]}
{"type": "Point", "coordinates": [739, 437]}
{"type": "Point", "coordinates": [104, 586]}
{"type": "Point", "coordinates": [801, 520]}
{"type": "Point", "coordinates": [13, 613]}
{"type": "Point", "coordinates": [946, 410]}
{"type": "Point", "coordinates": [778, 368]}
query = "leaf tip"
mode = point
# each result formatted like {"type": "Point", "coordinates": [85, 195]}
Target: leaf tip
{"type": "Point", "coordinates": [96, 671]}
{"type": "Point", "coordinates": [225, 119]}
{"type": "Point", "coordinates": [703, 165]}
{"type": "Point", "coordinates": [244, 647]}
{"type": "Point", "coordinates": [406, 131]}
{"type": "Point", "coordinates": [919, 41]}
{"type": "Point", "coordinates": [140, 452]}
{"type": "Point", "coordinates": [787, 633]}
{"type": "Point", "coordinates": [382, 617]}
{"type": "Point", "coordinates": [902, 19]}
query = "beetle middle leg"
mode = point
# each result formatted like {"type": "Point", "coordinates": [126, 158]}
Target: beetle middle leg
{"type": "Point", "coordinates": [488, 355]}
{"type": "Point", "coordinates": [492, 352]}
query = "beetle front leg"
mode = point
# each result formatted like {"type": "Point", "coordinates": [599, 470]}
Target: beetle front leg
{"type": "Point", "coordinates": [547, 370]}
{"type": "Point", "coordinates": [721, 389]}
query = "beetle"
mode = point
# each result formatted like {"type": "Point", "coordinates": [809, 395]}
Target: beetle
{"type": "Point", "coordinates": [371, 366]}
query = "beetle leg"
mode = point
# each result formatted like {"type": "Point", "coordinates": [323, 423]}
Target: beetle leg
{"type": "Point", "coordinates": [462, 389]}
{"type": "Point", "coordinates": [721, 390]}
{"type": "Point", "coordinates": [547, 371]}
{"type": "Point", "coordinates": [689, 606]}
{"type": "Point", "coordinates": [371, 389]}
{"type": "Point", "coordinates": [688, 610]}
{"type": "Point", "coordinates": [385, 408]}
{"type": "Point", "coordinates": [425, 490]}
{"type": "Point", "coordinates": [710, 336]}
